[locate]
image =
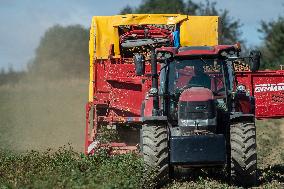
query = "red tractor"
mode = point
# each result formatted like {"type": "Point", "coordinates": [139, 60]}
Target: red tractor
{"type": "Point", "coordinates": [178, 103]}
{"type": "Point", "coordinates": [195, 118]}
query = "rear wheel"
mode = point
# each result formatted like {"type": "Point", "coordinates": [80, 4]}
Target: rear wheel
{"type": "Point", "coordinates": [243, 154]}
{"type": "Point", "coordinates": [154, 147]}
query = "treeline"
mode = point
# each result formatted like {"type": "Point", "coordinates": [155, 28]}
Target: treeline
{"type": "Point", "coordinates": [10, 76]}
{"type": "Point", "coordinates": [61, 53]}
{"type": "Point", "coordinates": [272, 47]}
{"type": "Point", "coordinates": [63, 50]}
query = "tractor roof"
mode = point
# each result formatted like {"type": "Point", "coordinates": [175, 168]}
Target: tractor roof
{"type": "Point", "coordinates": [205, 50]}
{"type": "Point", "coordinates": [194, 51]}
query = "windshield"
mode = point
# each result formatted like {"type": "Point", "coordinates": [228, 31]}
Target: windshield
{"type": "Point", "coordinates": [206, 73]}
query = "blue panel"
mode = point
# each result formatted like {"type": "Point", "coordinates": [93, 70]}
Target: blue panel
{"type": "Point", "coordinates": [176, 38]}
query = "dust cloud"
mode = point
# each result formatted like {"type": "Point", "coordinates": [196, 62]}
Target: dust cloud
{"type": "Point", "coordinates": [45, 108]}
{"type": "Point", "coordinates": [37, 114]}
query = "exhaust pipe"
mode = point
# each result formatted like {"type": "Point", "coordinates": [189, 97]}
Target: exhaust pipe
{"type": "Point", "coordinates": [154, 90]}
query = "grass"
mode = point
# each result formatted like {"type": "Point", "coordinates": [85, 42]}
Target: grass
{"type": "Point", "coordinates": [270, 143]}
{"type": "Point", "coordinates": [45, 114]}
{"type": "Point", "coordinates": [65, 168]}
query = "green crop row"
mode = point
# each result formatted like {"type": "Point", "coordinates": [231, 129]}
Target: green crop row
{"type": "Point", "coordinates": [66, 168]}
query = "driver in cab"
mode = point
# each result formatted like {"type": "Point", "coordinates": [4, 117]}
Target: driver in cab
{"type": "Point", "coordinates": [200, 79]}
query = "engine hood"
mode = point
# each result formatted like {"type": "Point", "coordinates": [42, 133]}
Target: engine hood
{"type": "Point", "coordinates": [196, 94]}
{"type": "Point", "coordinates": [197, 109]}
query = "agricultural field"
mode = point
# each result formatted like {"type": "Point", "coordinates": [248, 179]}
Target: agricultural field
{"type": "Point", "coordinates": [37, 114]}
{"type": "Point", "coordinates": [42, 136]}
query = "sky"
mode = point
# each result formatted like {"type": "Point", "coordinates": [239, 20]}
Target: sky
{"type": "Point", "coordinates": [23, 22]}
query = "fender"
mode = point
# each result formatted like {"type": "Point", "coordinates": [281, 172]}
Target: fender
{"type": "Point", "coordinates": [155, 119]}
{"type": "Point", "coordinates": [241, 117]}
{"type": "Point", "coordinates": [147, 107]}
{"type": "Point", "coordinates": [146, 113]}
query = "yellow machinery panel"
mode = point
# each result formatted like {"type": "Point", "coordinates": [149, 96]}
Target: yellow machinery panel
{"type": "Point", "coordinates": [200, 31]}
{"type": "Point", "coordinates": [194, 31]}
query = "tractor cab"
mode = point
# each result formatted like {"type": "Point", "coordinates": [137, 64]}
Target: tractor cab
{"type": "Point", "coordinates": [196, 84]}
{"type": "Point", "coordinates": [195, 74]}
{"type": "Point", "coordinates": [197, 87]}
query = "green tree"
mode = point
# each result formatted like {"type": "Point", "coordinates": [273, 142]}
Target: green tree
{"type": "Point", "coordinates": [10, 76]}
{"type": "Point", "coordinates": [62, 52]}
{"type": "Point", "coordinates": [273, 43]}
{"type": "Point", "coordinates": [230, 28]}
{"type": "Point", "coordinates": [161, 6]}
{"type": "Point", "coordinates": [127, 10]}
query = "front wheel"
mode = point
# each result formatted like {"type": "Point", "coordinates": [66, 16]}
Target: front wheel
{"type": "Point", "coordinates": [243, 154]}
{"type": "Point", "coordinates": [154, 147]}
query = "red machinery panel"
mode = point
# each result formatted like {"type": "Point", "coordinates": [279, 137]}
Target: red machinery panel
{"type": "Point", "coordinates": [118, 91]}
{"type": "Point", "coordinates": [268, 89]}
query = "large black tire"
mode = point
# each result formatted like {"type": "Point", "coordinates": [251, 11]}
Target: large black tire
{"type": "Point", "coordinates": [243, 154]}
{"type": "Point", "coordinates": [154, 147]}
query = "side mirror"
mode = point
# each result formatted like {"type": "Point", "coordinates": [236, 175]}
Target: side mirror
{"type": "Point", "coordinates": [254, 60]}
{"type": "Point", "coordinates": [139, 62]}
